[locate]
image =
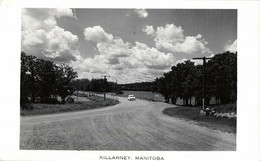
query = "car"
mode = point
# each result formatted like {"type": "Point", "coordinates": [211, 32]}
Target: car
{"type": "Point", "coordinates": [131, 97]}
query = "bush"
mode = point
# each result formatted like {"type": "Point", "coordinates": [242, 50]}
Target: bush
{"type": "Point", "coordinates": [70, 99]}
{"type": "Point", "coordinates": [227, 108]}
{"type": "Point", "coordinates": [51, 101]}
{"type": "Point", "coordinates": [27, 106]}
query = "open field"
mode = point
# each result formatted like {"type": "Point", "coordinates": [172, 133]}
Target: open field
{"type": "Point", "coordinates": [193, 113]}
{"type": "Point", "coordinates": [82, 104]}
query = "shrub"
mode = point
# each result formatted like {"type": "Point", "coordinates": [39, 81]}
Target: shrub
{"type": "Point", "coordinates": [27, 106]}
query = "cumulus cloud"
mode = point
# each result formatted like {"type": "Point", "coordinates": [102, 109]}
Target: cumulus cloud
{"type": "Point", "coordinates": [149, 30]}
{"type": "Point", "coordinates": [172, 38]}
{"type": "Point", "coordinates": [42, 37]}
{"type": "Point", "coordinates": [142, 13]}
{"type": "Point", "coordinates": [151, 57]}
{"type": "Point", "coordinates": [231, 46]}
{"type": "Point", "coordinates": [97, 34]}
{"type": "Point", "coordinates": [122, 60]}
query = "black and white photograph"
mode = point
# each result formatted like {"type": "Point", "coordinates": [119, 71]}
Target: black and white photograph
{"type": "Point", "coordinates": [128, 79]}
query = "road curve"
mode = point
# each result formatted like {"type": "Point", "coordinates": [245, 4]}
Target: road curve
{"type": "Point", "coordinates": [129, 125]}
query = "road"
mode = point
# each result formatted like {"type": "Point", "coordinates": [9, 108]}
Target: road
{"type": "Point", "coordinates": [129, 125]}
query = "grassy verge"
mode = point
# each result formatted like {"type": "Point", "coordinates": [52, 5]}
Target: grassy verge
{"type": "Point", "coordinates": [193, 113]}
{"type": "Point", "coordinates": [95, 102]}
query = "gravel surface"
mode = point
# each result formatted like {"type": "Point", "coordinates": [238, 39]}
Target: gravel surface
{"type": "Point", "coordinates": [129, 125]}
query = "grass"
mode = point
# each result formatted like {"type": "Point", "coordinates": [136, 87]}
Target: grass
{"type": "Point", "coordinates": [193, 113]}
{"type": "Point", "coordinates": [95, 102]}
{"type": "Point", "coordinates": [226, 108]}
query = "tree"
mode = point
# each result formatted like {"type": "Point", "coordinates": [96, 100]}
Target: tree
{"type": "Point", "coordinates": [185, 80]}
{"type": "Point", "coordinates": [161, 86]}
{"type": "Point", "coordinates": [64, 78]}
{"type": "Point", "coordinates": [46, 79]}
{"type": "Point", "coordinates": [197, 82]}
{"type": "Point", "coordinates": [222, 75]}
{"type": "Point", "coordinates": [42, 80]}
{"type": "Point", "coordinates": [28, 79]}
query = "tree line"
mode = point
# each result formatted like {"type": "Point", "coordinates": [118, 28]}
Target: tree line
{"type": "Point", "coordinates": [43, 80]}
{"type": "Point", "coordinates": [185, 80]}
{"type": "Point", "coordinates": [140, 86]}
{"type": "Point", "coordinates": [95, 85]}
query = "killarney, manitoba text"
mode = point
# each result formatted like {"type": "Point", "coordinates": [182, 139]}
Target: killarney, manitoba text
{"type": "Point", "coordinates": [156, 158]}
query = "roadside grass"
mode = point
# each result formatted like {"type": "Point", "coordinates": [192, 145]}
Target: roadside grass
{"type": "Point", "coordinates": [193, 113]}
{"type": "Point", "coordinates": [41, 109]}
{"type": "Point", "coordinates": [226, 108]}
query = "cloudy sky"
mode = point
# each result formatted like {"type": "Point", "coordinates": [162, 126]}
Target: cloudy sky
{"type": "Point", "coordinates": [130, 45]}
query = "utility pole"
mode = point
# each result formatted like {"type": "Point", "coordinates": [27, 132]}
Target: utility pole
{"type": "Point", "coordinates": [105, 78]}
{"type": "Point", "coordinates": [204, 76]}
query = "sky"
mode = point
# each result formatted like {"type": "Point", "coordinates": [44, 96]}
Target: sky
{"type": "Point", "coordinates": [129, 45]}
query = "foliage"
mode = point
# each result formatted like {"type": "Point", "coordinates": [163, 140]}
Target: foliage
{"type": "Point", "coordinates": [185, 80]}
{"type": "Point", "coordinates": [95, 85]}
{"type": "Point", "coordinates": [140, 86]}
{"type": "Point", "coordinates": [222, 77]}
{"type": "Point", "coordinates": [42, 80]}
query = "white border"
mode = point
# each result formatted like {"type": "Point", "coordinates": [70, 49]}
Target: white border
{"type": "Point", "coordinates": [248, 131]}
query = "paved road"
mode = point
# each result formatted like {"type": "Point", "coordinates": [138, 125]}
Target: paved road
{"type": "Point", "coordinates": [136, 125]}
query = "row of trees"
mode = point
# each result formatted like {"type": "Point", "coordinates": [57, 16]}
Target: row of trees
{"type": "Point", "coordinates": [140, 86]}
{"type": "Point", "coordinates": [95, 85]}
{"type": "Point", "coordinates": [185, 80]}
{"type": "Point", "coordinates": [102, 85]}
{"type": "Point", "coordinates": [43, 81]}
